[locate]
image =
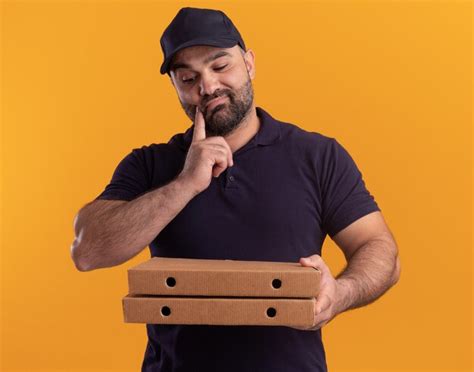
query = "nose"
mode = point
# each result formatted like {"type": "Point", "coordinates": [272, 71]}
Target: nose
{"type": "Point", "coordinates": [208, 84]}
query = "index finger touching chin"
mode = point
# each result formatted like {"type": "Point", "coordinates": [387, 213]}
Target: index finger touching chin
{"type": "Point", "coordinates": [199, 132]}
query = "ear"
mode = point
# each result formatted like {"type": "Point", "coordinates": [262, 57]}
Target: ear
{"type": "Point", "coordinates": [249, 59]}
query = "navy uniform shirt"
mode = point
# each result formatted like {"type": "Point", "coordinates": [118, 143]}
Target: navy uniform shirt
{"type": "Point", "coordinates": [287, 190]}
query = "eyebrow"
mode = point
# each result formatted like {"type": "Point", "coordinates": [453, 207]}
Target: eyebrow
{"type": "Point", "coordinates": [222, 53]}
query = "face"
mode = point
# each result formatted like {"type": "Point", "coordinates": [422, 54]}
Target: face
{"type": "Point", "coordinates": [218, 80]}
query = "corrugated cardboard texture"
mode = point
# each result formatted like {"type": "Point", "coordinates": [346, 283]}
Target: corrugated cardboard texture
{"type": "Point", "coordinates": [219, 311]}
{"type": "Point", "coordinates": [197, 277]}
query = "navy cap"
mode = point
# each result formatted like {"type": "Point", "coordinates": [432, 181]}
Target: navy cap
{"type": "Point", "coordinates": [194, 26]}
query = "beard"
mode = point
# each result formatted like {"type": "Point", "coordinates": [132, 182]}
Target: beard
{"type": "Point", "coordinates": [227, 116]}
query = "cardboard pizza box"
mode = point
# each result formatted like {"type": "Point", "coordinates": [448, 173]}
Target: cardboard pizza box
{"type": "Point", "coordinates": [219, 311]}
{"type": "Point", "coordinates": [199, 277]}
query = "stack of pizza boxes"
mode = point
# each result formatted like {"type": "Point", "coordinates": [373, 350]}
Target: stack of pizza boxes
{"type": "Point", "coordinates": [221, 292]}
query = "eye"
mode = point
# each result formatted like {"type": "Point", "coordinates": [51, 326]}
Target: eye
{"type": "Point", "coordinates": [219, 68]}
{"type": "Point", "coordinates": [187, 81]}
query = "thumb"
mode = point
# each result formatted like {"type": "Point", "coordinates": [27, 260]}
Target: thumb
{"type": "Point", "coordinates": [313, 261]}
{"type": "Point", "coordinates": [306, 261]}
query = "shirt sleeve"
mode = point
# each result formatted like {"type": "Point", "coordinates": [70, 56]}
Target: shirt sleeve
{"type": "Point", "coordinates": [345, 196]}
{"type": "Point", "coordinates": [130, 179]}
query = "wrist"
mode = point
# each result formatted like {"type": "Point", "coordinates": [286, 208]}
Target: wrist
{"type": "Point", "coordinates": [343, 294]}
{"type": "Point", "coordinates": [185, 187]}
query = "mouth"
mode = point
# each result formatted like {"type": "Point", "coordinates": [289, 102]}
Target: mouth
{"type": "Point", "coordinates": [214, 102]}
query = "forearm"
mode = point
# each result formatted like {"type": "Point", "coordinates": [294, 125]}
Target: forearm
{"type": "Point", "coordinates": [113, 236]}
{"type": "Point", "coordinates": [370, 272]}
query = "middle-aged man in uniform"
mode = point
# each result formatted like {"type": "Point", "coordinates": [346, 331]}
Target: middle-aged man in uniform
{"type": "Point", "coordinates": [238, 184]}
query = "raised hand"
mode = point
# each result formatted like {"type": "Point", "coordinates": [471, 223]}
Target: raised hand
{"type": "Point", "coordinates": [207, 157]}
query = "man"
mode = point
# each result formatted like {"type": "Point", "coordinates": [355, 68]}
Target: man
{"type": "Point", "coordinates": [238, 184]}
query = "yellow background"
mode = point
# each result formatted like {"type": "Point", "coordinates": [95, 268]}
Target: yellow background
{"type": "Point", "coordinates": [392, 81]}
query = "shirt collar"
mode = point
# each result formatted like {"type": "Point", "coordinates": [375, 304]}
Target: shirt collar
{"type": "Point", "coordinates": [268, 133]}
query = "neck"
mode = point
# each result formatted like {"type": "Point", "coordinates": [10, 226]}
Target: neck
{"type": "Point", "coordinates": [245, 131]}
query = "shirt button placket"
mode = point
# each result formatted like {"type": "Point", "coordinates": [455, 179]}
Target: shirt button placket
{"type": "Point", "coordinates": [230, 181]}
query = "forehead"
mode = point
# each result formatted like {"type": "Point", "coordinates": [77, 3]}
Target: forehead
{"type": "Point", "coordinates": [201, 53]}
